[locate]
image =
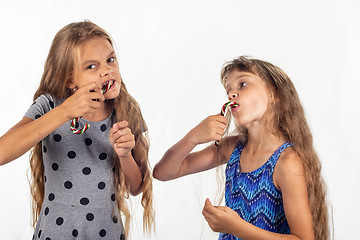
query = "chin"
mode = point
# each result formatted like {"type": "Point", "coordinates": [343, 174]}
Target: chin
{"type": "Point", "coordinates": [114, 93]}
{"type": "Point", "coordinates": [241, 122]}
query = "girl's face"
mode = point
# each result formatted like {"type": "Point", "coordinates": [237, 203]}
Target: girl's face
{"type": "Point", "coordinates": [250, 93]}
{"type": "Point", "coordinates": [96, 62]}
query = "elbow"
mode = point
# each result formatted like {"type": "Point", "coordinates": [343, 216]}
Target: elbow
{"type": "Point", "coordinates": [5, 155]}
{"type": "Point", "coordinates": [3, 158]}
{"type": "Point", "coordinates": [2, 162]}
{"type": "Point", "coordinates": [135, 193]}
{"type": "Point", "coordinates": [157, 174]}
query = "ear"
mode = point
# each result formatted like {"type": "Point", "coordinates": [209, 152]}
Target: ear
{"type": "Point", "coordinates": [272, 97]}
{"type": "Point", "coordinates": [70, 83]}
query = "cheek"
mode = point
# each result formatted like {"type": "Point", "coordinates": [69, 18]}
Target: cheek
{"type": "Point", "coordinates": [116, 72]}
{"type": "Point", "coordinates": [254, 108]}
{"type": "Point", "coordinates": [262, 104]}
{"type": "Point", "coordinates": [81, 79]}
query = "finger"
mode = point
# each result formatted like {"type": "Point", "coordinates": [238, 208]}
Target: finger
{"type": "Point", "coordinates": [97, 96]}
{"type": "Point", "coordinates": [221, 208]}
{"type": "Point", "coordinates": [120, 125]}
{"type": "Point", "coordinates": [128, 145]}
{"type": "Point", "coordinates": [220, 130]}
{"type": "Point", "coordinates": [94, 105]}
{"type": "Point", "coordinates": [208, 202]}
{"type": "Point", "coordinates": [112, 132]}
{"type": "Point", "coordinates": [125, 139]}
{"type": "Point", "coordinates": [206, 214]}
{"type": "Point", "coordinates": [222, 119]}
{"type": "Point", "coordinates": [119, 132]}
{"type": "Point", "coordinates": [207, 219]}
{"type": "Point", "coordinates": [92, 87]}
{"type": "Point", "coordinates": [208, 207]}
{"type": "Point", "coordinates": [122, 132]}
{"type": "Point", "coordinates": [217, 136]}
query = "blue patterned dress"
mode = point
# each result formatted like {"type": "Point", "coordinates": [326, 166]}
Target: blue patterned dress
{"type": "Point", "coordinates": [254, 196]}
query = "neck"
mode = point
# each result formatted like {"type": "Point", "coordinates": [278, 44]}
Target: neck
{"type": "Point", "coordinates": [262, 140]}
{"type": "Point", "coordinates": [100, 114]}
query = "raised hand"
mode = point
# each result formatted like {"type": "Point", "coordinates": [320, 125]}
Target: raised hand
{"type": "Point", "coordinates": [122, 139]}
{"type": "Point", "coordinates": [210, 129]}
{"type": "Point", "coordinates": [84, 101]}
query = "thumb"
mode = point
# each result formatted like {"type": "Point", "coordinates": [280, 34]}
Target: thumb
{"type": "Point", "coordinates": [222, 208]}
{"type": "Point", "coordinates": [207, 202]}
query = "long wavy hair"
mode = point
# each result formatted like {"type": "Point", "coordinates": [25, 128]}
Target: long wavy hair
{"type": "Point", "coordinates": [58, 69]}
{"type": "Point", "coordinates": [287, 121]}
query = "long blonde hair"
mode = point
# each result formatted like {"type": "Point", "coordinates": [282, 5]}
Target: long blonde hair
{"type": "Point", "coordinates": [58, 70]}
{"type": "Point", "coordinates": [290, 122]}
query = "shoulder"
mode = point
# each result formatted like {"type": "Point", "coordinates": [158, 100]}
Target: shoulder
{"type": "Point", "coordinates": [289, 167]}
{"type": "Point", "coordinates": [226, 147]}
{"type": "Point", "coordinates": [42, 104]}
{"type": "Point", "coordinates": [45, 100]}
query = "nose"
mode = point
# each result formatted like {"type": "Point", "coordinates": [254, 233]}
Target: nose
{"type": "Point", "coordinates": [232, 95]}
{"type": "Point", "coordinates": [106, 71]}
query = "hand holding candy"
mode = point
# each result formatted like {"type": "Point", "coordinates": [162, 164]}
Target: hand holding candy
{"type": "Point", "coordinates": [87, 126]}
{"type": "Point", "coordinates": [209, 129]}
{"type": "Point", "coordinates": [223, 112]}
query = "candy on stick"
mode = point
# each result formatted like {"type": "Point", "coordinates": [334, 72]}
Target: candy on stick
{"type": "Point", "coordinates": [78, 131]}
{"type": "Point", "coordinates": [107, 87]}
{"type": "Point", "coordinates": [87, 126]}
{"type": "Point", "coordinates": [223, 112]}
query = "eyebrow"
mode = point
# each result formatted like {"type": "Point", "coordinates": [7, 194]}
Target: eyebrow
{"type": "Point", "coordinates": [236, 78]}
{"type": "Point", "coordinates": [91, 61]}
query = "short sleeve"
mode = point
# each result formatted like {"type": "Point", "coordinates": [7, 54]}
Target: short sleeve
{"type": "Point", "coordinates": [43, 104]}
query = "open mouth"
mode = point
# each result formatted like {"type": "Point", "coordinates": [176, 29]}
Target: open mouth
{"type": "Point", "coordinates": [107, 85]}
{"type": "Point", "coordinates": [234, 106]}
{"type": "Point", "coordinates": [229, 105]}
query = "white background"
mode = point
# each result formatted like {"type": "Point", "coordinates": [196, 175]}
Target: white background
{"type": "Point", "coordinates": [171, 53]}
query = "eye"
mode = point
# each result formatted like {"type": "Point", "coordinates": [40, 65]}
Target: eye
{"type": "Point", "coordinates": [111, 59]}
{"type": "Point", "coordinates": [243, 84]}
{"type": "Point", "coordinates": [92, 66]}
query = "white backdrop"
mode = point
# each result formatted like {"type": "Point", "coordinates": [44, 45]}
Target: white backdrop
{"type": "Point", "coordinates": [171, 53]}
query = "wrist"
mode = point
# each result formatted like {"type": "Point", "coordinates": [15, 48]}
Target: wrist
{"type": "Point", "coordinates": [64, 112]}
{"type": "Point", "coordinates": [126, 157]}
{"type": "Point", "coordinates": [190, 140]}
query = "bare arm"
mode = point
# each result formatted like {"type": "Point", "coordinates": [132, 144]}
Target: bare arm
{"type": "Point", "coordinates": [290, 177]}
{"type": "Point", "coordinates": [178, 161]}
{"type": "Point", "coordinates": [123, 141]}
{"type": "Point", "coordinates": [26, 133]}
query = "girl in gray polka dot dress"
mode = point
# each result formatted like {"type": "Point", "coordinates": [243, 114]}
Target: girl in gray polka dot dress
{"type": "Point", "coordinates": [81, 177]}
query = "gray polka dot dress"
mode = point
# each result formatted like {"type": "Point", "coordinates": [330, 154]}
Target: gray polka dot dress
{"type": "Point", "coordinates": [79, 201]}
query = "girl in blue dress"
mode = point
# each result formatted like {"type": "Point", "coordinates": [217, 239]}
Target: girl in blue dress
{"type": "Point", "coordinates": [274, 188]}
